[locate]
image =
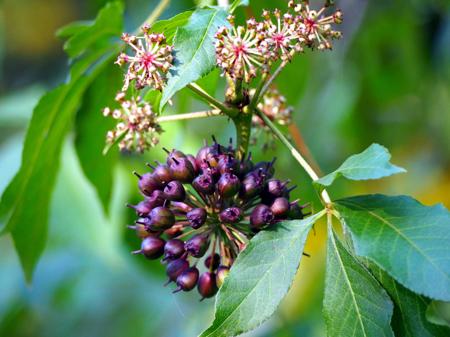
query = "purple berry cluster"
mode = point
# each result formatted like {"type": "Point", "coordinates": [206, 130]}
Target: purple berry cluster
{"type": "Point", "coordinates": [207, 206]}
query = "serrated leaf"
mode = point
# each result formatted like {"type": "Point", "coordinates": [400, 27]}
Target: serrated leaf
{"type": "Point", "coordinates": [194, 50]}
{"type": "Point", "coordinates": [405, 238]}
{"type": "Point", "coordinates": [170, 26]}
{"type": "Point", "coordinates": [409, 317]}
{"type": "Point", "coordinates": [372, 163]}
{"type": "Point", "coordinates": [90, 133]}
{"type": "Point", "coordinates": [354, 304]}
{"type": "Point", "coordinates": [25, 202]}
{"type": "Point", "coordinates": [109, 23]}
{"type": "Point", "coordinates": [260, 278]}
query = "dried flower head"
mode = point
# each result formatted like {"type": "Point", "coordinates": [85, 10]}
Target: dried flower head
{"type": "Point", "coordinates": [314, 27]}
{"type": "Point", "coordinates": [240, 51]}
{"type": "Point", "coordinates": [207, 207]}
{"type": "Point", "coordinates": [137, 128]}
{"type": "Point", "coordinates": [151, 61]}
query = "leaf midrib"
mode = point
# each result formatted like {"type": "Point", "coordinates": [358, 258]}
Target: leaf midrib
{"type": "Point", "coordinates": [197, 48]}
{"type": "Point", "coordinates": [401, 234]}
{"type": "Point", "coordinates": [347, 280]}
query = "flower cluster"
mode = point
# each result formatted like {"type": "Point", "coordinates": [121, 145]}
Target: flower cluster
{"type": "Point", "coordinates": [314, 27]}
{"type": "Point", "coordinates": [137, 128]}
{"type": "Point", "coordinates": [240, 50]}
{"type": "Point", "coordinates": [207, 206]}
{"type": "Point", "coordinates": [151, 61]}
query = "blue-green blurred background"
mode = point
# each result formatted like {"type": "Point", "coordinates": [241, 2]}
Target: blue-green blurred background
{"type": "Point", "coordinates": [387, 81]}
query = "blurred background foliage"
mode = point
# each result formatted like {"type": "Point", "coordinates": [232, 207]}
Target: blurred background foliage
{"type": "Point", "coordinates": [387, 81]}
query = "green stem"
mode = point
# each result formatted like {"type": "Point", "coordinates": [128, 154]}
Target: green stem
{"type": "Point", "coordinates": [309, 170]}
{"type": "Point", "coordinates": [211, 100]}
{"type": "Point", "coordinates": [190, 115]}
{"type": "Point", "coordinates": [243, 124]}
{"type": "Point", "coordinates": [156, 13]}
{"type": "Point", "coordinates": [257, 96]}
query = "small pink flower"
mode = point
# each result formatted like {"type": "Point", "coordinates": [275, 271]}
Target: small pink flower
{"type": "Point", "coordinates": [314, 27]}
{"type": "Point", "coordinates": [281, 35]}
{"type": "Point", "coordinates": [240, 50]}
{"type": "Point", "coordinates": [151, 61]}
{"type": "Point", "coordinates": [137, 127]}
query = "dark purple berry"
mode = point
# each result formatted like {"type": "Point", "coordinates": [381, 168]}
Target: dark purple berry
{"type": "Point", "coordinates": [228, 185]}
{"type": "Point", "coordinates": [230, 215]}
{"type": "Point", "coordinates": [194, 163]}
{"type": "Point", "coordinates": [212, 261]}
{"type": "Point", "coordinates": [197, 245]}
{"type": "Point", "coordinates": [204, 184]}
{"type": "Point", "coordinates": [175, 268]}
{"type": "Point", "coordinates": [173, 249]}
{"type": "Point", "coordinates": [182, 170]}
{"type": "Point", "coordinates": [207, 285]}
{"type": "Point", "coordinates": [148, 183]}
{"type": "Point", "coordinates": [196, 217]}
{"type": "Point", "coordinates": [157, 198]}
{"type": "Point", "coordinates": [296, 211]}
{"type": "Point", "coordinates": [266, 167]}
{"type": "Point", "coordinates": [187, 279]}
{"type": "Point", "coordinates": [152, 247]}
{"type": "Point", "coordinates": [252, 185]}
{"type": "Point", "coordinates": [162, 173]}
{"type": "Point", "coordinates": [174, 154]}
{"type": "Point", "coordinates": [221, 274]}
{"type": "Point", "coordinates": [280, 207]}
{"type": "Point", "coordinates": [174, 191]}
{"type": "Point", "coordinates": [228, 164]}
{"type": "Point", "coordinates": [275, 188]}
{"type": "Point", "coordinates": [161, 218]}
{"type": "Point", "coordinates": [210, 168]}
{"type": "Point", "coordinates": [246, 166]}
{"type": "Point", "coordinates": [142, 209]}
{"type": "Point", "coordinates": [261, 216]}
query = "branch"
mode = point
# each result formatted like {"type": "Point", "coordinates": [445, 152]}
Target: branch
{"type": "Point", "coordinates": [211, 100]}
{"type": "Point", "coordinates": [156, 13]}
{"type": "Point", "coordinates": [190, 115]}
{"type": "Point", "coordinates": [309, 170]}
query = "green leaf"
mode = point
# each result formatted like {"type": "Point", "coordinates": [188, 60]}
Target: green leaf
{"type": "Point", "coordinates": [354, 302]}
{"type": "Point", "coordinates": [194, 50]}
{"type": "Point", "coordinates": [25, 202]}
{"type": "Point", "coordinates": [210, 82]}
{"type": "Point", "coordinates": [154, 98]}
{"type": "Point", "coordinates": [260, 278]}
{"type": "Point", "coordinates": [91, 128]}
{"type": "Point", "coordinates": [109, 23]}
{"type": "Point", "coordinates": [373, 163]}
{"type": "Point", "coordinates": [409, 318]}
{"type": "Point", "coordinates": [170, 26]}
{"type": "Point", "coordinates": [438, 312]}
{"type": "Point", "coordinates": [72, 29]}
{"type": "Point", "coordinates": [405, 238]}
